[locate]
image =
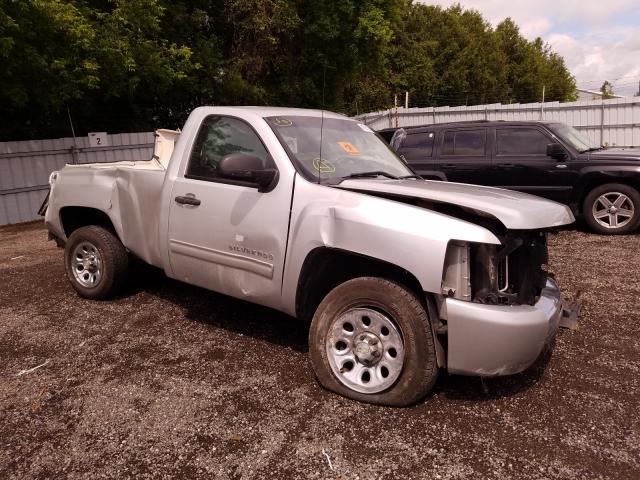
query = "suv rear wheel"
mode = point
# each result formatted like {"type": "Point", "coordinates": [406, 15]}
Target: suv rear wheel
{"type": "Point", "coordinates": [612, 209]}
{"type": "Point", "coordinates": [371, 340]}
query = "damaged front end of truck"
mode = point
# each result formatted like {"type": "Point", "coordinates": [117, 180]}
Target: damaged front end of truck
{"type": "Point", "coordinates": [500, 305]}
{"type": "Point", "coordinates": [512, 273]}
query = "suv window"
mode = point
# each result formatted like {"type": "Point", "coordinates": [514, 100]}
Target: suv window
{"type": "Point", "coordinates": [417, 145]}
{"type": "Point", "coordinates": [521, 141]}
{"type": "Point", "coordinates": [220, 136]}
{"type": "Point", "coordinates": [464, 142]}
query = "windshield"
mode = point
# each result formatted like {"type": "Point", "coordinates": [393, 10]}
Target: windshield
{"type": "Point", "coordinates": [580, 142]}
{"type": "Point", "coordinates": [348, 148]}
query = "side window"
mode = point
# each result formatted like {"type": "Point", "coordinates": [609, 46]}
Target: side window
{"type": "Point", "coordinates": [220, 136]}
{"type": "Point", "coordinates": [417, 145]}
{"type": "Point", "coordinates": [521, 141]}
{"type": "Point", "coordinates": [464, 142]}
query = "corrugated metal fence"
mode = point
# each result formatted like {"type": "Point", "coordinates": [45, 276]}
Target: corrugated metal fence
{"type": "Point", "coordinates": [25, 167]}
{"type": "Point", "coordinates": [606, 122]}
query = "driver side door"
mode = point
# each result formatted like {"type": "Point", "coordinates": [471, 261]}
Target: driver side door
{"type": "Point", "coordinates": [224, 235]}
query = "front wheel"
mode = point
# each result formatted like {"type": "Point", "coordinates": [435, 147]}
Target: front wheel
{"type": "Point", "coordinates": [371, 340]}
{"type": "Point", "coordinates": [96, 262]}
{"type": "Point", "coordinates": [612, 209]}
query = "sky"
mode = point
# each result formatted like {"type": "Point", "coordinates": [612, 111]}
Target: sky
{"type": "Point", "coordinates": [599, 40]}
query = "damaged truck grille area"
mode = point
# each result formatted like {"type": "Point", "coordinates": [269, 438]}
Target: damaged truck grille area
{"type": "Point", "coordinates": [512, 273]}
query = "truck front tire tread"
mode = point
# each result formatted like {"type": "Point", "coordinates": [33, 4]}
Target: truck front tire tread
{"type": "Point", "coordinates": [420, 369]}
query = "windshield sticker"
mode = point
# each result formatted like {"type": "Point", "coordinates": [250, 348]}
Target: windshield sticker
{"type": "Point", "coordinates": [282, 122]}
{"type": "Point", "coordinates": [365, 128]}
{"type": "Point", "coordinates": [349, 148]}
{"type": "Point", "coordinates": [322, 166]}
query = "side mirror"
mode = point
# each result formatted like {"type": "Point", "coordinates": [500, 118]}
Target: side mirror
{"type": "Point", "coordinates": [557, 151]}
{"type": "Point", "coordinates": [247, 168]}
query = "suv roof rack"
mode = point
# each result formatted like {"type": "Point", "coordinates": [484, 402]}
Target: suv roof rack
{"type": "Point", "coordinates": [464, 122]}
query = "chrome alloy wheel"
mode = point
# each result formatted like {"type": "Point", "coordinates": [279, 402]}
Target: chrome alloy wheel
{"type": "Point", "coordinates": [365, 350]}
{"type": "Point", "coordinates": [86, 264]}
{"type": "Point", "coordinates": [613, 210]}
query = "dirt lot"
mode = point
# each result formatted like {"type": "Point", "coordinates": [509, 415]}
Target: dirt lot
{"type": "Point", "coordinates": [173, 381]}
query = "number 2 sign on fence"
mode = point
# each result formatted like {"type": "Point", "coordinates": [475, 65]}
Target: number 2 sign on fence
{"type": "Point", "coordinates": [98, 139]}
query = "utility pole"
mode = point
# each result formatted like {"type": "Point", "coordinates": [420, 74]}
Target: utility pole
{"type": "Point", "coordinates": [542, 105]}
{"type": "Point", "coordinates": [602, 123]}
{"type": "Point", "coordinates": [406, 100]}
{"type": "Point", "coordinates": [74, 148]}
{"type": "Point", "coordinates": [395, 108]}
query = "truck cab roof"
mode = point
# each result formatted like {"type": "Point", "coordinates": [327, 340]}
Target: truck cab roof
{"type": "Point", "coordinates": [272, 111]}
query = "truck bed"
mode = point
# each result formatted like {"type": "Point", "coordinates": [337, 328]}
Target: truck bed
{"type": "Point", "coordinates": [128, 192]}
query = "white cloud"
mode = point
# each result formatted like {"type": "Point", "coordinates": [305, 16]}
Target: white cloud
{"type": "Point", "coordinates": [593, 59]}
{"type": "Point", "coordinates": [595, 47]}
{"type": "Point", "coordinates": [535, 27]}
{"type": "Point", "coordinates": [592, 13]}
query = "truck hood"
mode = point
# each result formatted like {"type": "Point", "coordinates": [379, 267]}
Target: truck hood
{"type": "Point", "coordinates": [515, 210]}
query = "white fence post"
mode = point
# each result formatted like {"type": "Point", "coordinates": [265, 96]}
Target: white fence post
{"type": "Point", "coordinates": [602, 124]}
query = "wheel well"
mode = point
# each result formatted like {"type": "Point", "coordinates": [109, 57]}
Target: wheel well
{"type": "Point", "coordinates": [73, 218]}
{"type": "Point", "coordinates": [596, 181]}
{"type": "Point", "coordinates": [326, 268]}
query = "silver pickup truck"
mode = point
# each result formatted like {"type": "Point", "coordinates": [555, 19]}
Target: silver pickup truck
{"type": "Point", "coordinates": [311, 213]}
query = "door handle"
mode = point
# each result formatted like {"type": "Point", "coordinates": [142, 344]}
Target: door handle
{"type": "Point", "coordinates": [506, 165]}
{"type": "Point", "coordinates": [187, 201]}
{"type": "Point", "coordinates": [449, 165]}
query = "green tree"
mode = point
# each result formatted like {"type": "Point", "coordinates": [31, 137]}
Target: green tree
{"type": "Point", "coordinates": [532, 66]}
{"type": "Point", "coordinates": [127, 65]}
{"type": "Point", "coordinates": [103, 61]}
{"type": "Point", "coordinates": [607, 90]}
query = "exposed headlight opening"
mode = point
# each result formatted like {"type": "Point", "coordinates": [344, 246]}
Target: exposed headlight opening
{"type": "Point", "coordinates": [512, 273]}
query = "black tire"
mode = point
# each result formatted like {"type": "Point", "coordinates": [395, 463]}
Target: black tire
{"type": "Point", "coordinates": [419, 370]}
{"type": "Point", "coordinates": [113, 258]}
{"type": "Point", "coordinates": [593, 204]}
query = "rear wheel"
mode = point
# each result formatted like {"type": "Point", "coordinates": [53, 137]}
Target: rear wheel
{"type": "Point", "coordinates": [612, 209]}
{"type": "Point", "coordinates": [96, 262]}
{"type": "Point", "coordinates": [371, 340]}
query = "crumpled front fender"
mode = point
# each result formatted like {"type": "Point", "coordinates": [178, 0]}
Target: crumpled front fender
{"type": "Point", "coordinates": [409, 237]}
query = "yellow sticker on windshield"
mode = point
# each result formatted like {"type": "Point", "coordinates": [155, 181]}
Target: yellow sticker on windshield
{"type": "Point", "coordinates": [349, 148]}
{"type": "Point", "coordinates": [322, 166]}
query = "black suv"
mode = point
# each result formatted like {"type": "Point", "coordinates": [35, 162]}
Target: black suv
{"type": "Point", "coordinates": [549, 159]}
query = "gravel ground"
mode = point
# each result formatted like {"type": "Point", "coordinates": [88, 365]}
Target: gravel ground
{"type": "Point", "coordinates": [173, 381]}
